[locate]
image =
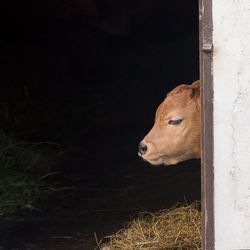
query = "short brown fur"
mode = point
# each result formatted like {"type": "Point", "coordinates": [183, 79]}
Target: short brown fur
{"type": "Point", "coordinates": [169, 144]}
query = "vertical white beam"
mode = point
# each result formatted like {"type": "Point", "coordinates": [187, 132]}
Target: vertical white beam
{"type": "Point", "coordinates": [231, 74]}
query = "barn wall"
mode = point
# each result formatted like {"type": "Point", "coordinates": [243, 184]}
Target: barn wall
{"type": "Point", "coordinates": [231, 72]}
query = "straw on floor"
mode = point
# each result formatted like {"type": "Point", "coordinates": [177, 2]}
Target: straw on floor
{"type": "Point", "coordinates": [175, 228]}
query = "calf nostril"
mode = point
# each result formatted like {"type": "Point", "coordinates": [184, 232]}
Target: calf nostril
{"type": "Point", "coordinates": [142, 148]}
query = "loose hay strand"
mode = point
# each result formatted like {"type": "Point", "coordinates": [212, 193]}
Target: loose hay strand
{"type": "Point", "coordinates": [175, 228]}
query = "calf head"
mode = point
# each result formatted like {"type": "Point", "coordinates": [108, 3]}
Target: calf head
{"type": "Point", "coordinates": [175, 136]}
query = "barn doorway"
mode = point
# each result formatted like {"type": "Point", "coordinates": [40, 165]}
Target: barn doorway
{"type": "Point", "coordinates": [91, 76]}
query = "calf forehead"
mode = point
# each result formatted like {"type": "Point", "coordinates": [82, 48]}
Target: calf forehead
{"type": "Point", "coordinates": [167, 108]}
{"type": "Point", "coordinates": [175, 102]}
{"type": "Point", "coordinates": [183, 90]}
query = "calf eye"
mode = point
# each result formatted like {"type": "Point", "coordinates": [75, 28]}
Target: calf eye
{"type": "Point", "coordinates": [175, 122]}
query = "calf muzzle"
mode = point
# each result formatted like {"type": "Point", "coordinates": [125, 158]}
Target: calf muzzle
{"type": "Point", "coordinates": [142, 148]}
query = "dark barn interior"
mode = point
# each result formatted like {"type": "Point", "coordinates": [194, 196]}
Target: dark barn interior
{"type": "Point", "coordinates": [88, 76]}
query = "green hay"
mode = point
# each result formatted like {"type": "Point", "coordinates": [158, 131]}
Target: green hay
{"type": "Point", "coordinates": [24, 169]}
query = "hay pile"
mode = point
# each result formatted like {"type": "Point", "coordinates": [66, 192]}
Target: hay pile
{"type": "Point", "coordinates": [176, 228]}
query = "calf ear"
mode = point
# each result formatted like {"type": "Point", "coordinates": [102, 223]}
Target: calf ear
{"type": "Point", "coordinates": [196, 93]}
{"type": "Point", "coordinates": [196, 89]}
{"type": "Point", "coordinates": [196, 85]}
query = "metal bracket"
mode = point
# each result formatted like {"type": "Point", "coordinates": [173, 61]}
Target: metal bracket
{"type": "Point", "coordinates": [207, 47]}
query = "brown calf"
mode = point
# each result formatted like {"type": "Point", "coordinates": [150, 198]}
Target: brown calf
{"type": "Point", "coordinates": [175, 136]}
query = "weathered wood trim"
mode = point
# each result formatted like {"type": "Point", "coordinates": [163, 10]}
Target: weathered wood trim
{"type": "Point", "coordinates": [207, 171]}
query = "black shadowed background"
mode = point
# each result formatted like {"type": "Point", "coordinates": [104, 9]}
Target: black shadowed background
{"type": "Point", "coordinates": [87, 76]}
